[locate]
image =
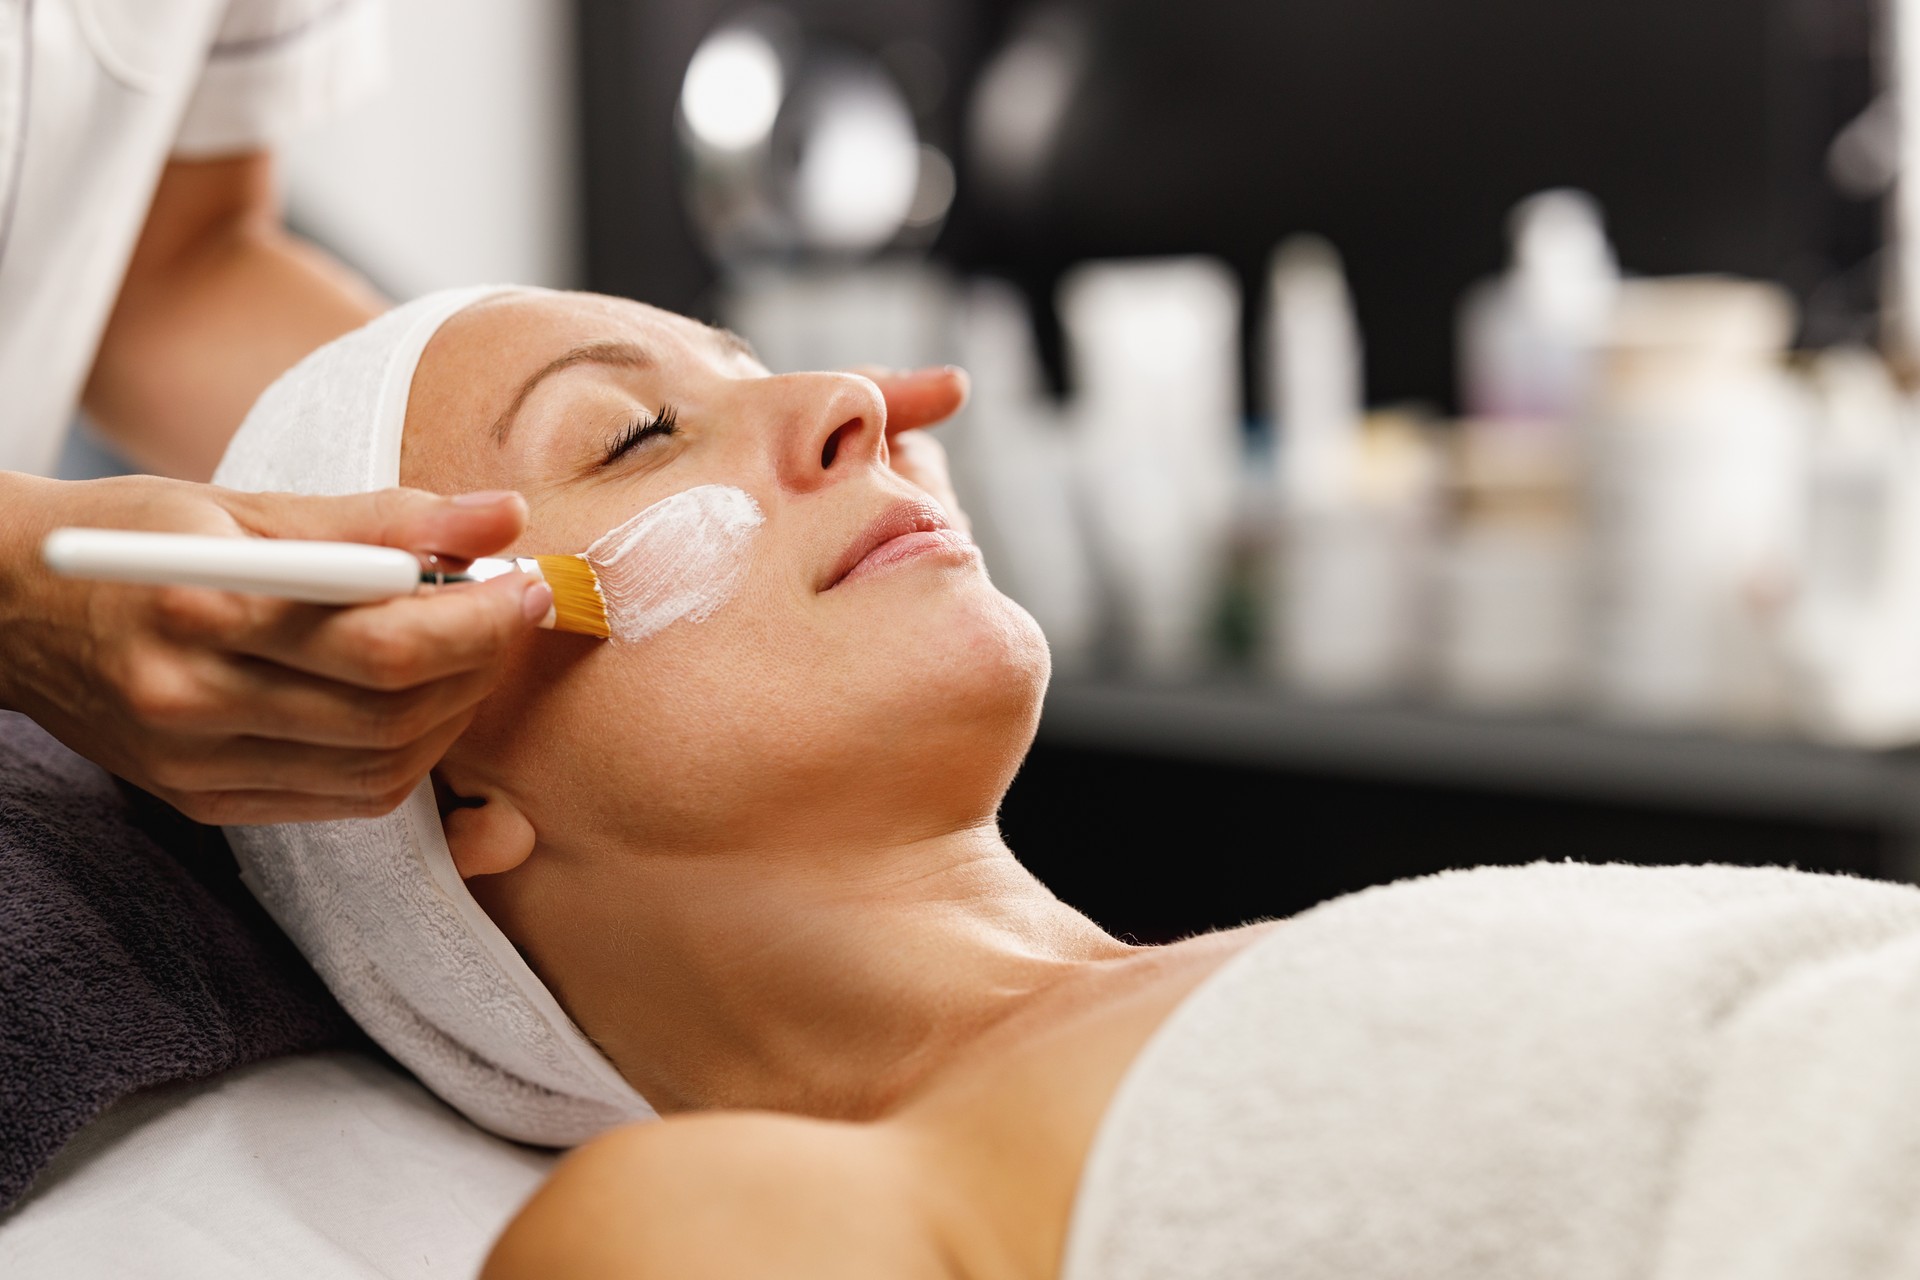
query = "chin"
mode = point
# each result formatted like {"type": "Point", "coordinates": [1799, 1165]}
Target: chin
{"type": "Point", "coordinates": [980, 660]}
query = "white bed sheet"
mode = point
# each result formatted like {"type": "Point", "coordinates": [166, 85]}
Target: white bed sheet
{"type": "Point", "coordinates": [329, 1166]}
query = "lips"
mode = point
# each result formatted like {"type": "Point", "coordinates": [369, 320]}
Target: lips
{"type": "Point", "coordinates": [900, 521]}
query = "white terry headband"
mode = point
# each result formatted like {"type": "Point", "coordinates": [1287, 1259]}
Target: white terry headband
{"type": "Point", "coordinates": [376, 904]}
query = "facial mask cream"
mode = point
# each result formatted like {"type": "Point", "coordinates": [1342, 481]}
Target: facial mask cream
{"type": "Point", "coordinates": [682, 557]}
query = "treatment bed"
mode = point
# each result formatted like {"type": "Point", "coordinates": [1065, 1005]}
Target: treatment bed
{"type": "Point", "coordinates": [327, 1166]}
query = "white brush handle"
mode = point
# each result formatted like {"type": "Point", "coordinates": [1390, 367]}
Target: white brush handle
{"type": "Point", "coordinates": [313, 572]}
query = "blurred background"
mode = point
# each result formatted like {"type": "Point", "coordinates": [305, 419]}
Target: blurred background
{"type": "Point", "coordinates": [1428, 435]}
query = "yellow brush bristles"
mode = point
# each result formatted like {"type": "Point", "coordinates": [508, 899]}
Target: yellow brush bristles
{"type": "Point", "coordinates": [577, 603]}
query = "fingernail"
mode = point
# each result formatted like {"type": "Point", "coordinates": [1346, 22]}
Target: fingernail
{"type": "Point", "coordinates": [537, 602]}
{"type": "Point", "coordinates": [486, 498]}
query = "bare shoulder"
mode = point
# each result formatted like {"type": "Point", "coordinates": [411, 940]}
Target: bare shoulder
{"type": "Point", "coordinates": [727, 1194]}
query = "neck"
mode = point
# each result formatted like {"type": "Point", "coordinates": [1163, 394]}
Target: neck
{"type": "Point", "coordinates": [831, 985]}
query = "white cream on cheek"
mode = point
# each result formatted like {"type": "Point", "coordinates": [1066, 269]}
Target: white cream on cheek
{"type": "Point", "coordinates": [682, 557]}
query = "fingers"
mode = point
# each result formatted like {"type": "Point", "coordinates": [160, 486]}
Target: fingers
{"type": "Point", "coordinates": [250, 808]}
{"type": "Point", "coordinates": [461, 527]}
{"type": "Point", "coordinates": [246, 779]}
{"type": "Point", "coordinates": [271, 764]}
{"type": "Point", "coordinates": [274, 712]}
{"type": "Point", "coordinates": [243, 739]}
{"type": "Point", "coordinates": [254, 697]}
{"type": "Point", "coordinates": [389, 646]}
{"type": "Point", "coordinates": [242, 708]}
{"type": "Point", "coordinates": [919, 397]}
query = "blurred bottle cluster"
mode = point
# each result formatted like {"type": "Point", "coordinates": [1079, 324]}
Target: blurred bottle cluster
{"type": "Point", "coordinates": [1652, 509]}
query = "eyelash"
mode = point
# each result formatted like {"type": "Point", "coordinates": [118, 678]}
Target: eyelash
{"type": "Point", "coordinates": [645, 427]}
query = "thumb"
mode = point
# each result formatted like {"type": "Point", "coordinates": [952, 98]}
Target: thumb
{"type": "Point", "coordinates": [461, 527]}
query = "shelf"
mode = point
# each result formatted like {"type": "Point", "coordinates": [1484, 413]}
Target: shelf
{"type": "Point", "coordinates": [1255, 726]}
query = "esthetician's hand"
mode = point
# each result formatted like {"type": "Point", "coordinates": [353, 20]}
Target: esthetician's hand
{"type": "Point", "coordinates": [918, 399]}
{"type": "Point", "coordinates": [241, 708]}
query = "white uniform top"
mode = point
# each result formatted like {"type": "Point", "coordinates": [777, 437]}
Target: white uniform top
{"type": "Point", "coordinates": [95, 95]}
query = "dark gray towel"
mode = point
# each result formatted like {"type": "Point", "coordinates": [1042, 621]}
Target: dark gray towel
{"type": "Point", "coordinates": [130, 953]}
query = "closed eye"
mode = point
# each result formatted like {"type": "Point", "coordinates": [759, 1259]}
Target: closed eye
{"type": "Point", "coordinates": [639, 430]}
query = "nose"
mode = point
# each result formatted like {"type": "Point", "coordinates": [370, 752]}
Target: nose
{"type": "Point", "coordinates": [837, 425]}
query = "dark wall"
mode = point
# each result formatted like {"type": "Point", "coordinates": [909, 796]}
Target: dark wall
{"type": "Point", "coordinates": [1197, 846]}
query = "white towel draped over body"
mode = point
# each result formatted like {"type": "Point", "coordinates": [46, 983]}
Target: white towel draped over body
{"type": "Point", "coordinates": [1557, 1071]}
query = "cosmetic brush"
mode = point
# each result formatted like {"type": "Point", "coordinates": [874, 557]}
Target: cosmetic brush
{"type": "Point", "coordinates": [311, 572]}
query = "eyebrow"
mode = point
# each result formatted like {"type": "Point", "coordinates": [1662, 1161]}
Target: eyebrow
{"type": "Point", "coordinates": [731, 341]}
{"type": "Point", "coordinates": [619, 355]}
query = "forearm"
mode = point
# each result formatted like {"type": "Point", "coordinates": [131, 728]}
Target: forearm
{"type": "Point", "coordinates": [209, 315]}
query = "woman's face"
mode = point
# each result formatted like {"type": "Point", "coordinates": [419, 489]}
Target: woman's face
{"type": "Point", "coordinates": [893, 703]}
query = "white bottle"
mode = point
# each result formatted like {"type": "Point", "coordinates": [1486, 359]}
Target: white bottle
{"type": "Point", "coordinates": [1153, 349]}
{"type": "Point", "coordinates": [1314, 382]}
{"type": "Point", "coordinates": [1511, 630]}
{"type": "Point", "coordinates": [1696, 488]}
{"type": "Point", "coordinates": [1347, 595]}
{"type": "Point", "coordinates": [1857, 613]}
{"type": "Point", "coordinates": [1528, 339]}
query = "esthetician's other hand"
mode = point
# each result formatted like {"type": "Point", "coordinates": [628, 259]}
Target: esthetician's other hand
{"type": "Point", "coordinates": [240, 708]}
{"type": "Point", "coordinates": [918, 399]}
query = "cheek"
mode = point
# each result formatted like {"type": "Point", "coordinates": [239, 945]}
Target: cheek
{"type": "Point", "coordinates": [935, 664]}
{"type": "Point", "coordinates": [657, 740]}
{"type": "Point", "coordinates": [713, 730]}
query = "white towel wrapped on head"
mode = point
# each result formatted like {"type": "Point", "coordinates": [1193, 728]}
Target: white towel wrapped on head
{"type": "Point", "coordinates": [376, 904]}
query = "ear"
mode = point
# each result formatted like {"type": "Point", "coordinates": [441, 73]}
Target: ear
{"type": "Point", "coordinates": [486, 832]}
